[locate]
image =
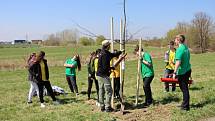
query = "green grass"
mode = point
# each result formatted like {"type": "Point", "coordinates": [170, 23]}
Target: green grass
{"type": "Point", "coordinates": [14, 88]}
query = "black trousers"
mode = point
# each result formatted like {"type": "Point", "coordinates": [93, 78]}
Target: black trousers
{"type": "Point", "coordinates": [90, 84]}
{"type": "Point", "coordinates": [183, 83]}
{"type": "Point", "coordinates": [47, 85]}
{"type": "Point", "coordinates": [167, 75]}
{"type": "Point", "coordinates": [116, 86]}
{"type": "Point", "coordinates": [147, 89]}
{"type": "Point", "coordinates": [71, 80]}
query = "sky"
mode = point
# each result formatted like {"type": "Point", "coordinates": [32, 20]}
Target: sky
{"type": "Point", "coordinates": [39, 18]}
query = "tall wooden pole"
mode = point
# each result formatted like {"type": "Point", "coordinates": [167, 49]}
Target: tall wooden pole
{"type": "Point", "coordinates": [138, 71]}
{"type": "Point", "coordinates": [122, 68]}
{"type": "Point", "coordinates": [112, 47]}
{"type": "Point", "coordinates": [121, 64]}
{"type": "Point", "coordinates": [123, 48]}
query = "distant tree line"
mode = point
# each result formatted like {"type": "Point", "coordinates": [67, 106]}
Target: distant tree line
{"type": "Point", "coordinates": [71, 37]}
{"type": "Point", "coordinates": [200, 35]}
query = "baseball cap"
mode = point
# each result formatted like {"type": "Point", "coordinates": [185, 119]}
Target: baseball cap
{"type": "Point", "coordinates": [106, 42]}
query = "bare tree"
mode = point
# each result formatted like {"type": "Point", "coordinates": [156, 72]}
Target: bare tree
{"type": "Point", "coordinates": [182, 27]}
{"type": "Point", "coordinates": [203, 24]}
{"type": "Point", "coordinates": [70, 35]}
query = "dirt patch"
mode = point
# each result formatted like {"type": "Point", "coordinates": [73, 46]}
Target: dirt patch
{"type": "Point", "coordinates": [133, 113]}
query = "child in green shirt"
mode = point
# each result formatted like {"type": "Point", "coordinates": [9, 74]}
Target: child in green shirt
{"type": "Point", "coordinates": [71, 65]}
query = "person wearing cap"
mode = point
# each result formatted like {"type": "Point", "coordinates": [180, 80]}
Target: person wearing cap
{"type": "Point", "coordinates": [103, 73]}
{"type": "Point", "coordinates": [170, 65]}
{"type": "Point", "coordinates": [182, 69]}
{"type": "Point", "coordinates": [147, 73]}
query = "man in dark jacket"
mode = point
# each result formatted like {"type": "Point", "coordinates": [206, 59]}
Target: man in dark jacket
{"type": "Point", "coordinates": [103, 74]}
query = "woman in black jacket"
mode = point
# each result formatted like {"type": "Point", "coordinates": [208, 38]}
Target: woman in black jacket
{"type": "Point", "coordinates": [41, 73]}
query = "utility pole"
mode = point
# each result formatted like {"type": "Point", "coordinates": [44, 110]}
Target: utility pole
{"type": "Point", "coordinates": [26, 37]}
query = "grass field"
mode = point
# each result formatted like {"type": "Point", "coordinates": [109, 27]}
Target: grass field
{"type": "Point", "coordinates": [14, 88]}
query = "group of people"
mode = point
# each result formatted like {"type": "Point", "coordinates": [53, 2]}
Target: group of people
{"type": "Point", "coordinates": [177, 66]}
{"type": "Point", "coordinates": [39, 77]}
{"type": "Point", "coordinates": [100, 70]}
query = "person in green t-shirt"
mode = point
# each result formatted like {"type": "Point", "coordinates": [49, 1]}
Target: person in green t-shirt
{"type": "Point", "coordinates": [147, 73]}
{"type": "Point", "coordinates": [183, 69]}
{"type": "Point", "coordinates": [71, 65]}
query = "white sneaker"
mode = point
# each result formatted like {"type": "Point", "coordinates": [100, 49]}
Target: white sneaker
{"type": "Point", "coordinates": [42, 105]}
{"type": "Point", "coordinates": [77, 94]}
{"type": "Point", "coordinates": [97, 103]}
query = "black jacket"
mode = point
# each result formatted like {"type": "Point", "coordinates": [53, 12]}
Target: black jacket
{"type": "Point", "coordinates": [35, 71]}
{"type": "Point", "coordinates": [31, 75]}
{"type": "Point", "coordinates": [105, 57]}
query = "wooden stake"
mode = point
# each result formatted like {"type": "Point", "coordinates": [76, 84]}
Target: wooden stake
{"type": "Point", "coordinates": [112, 80]}
{"type": "Point", "coordinates": [122, 68]}
{"type": "Point", "coordinates": [138, 71]}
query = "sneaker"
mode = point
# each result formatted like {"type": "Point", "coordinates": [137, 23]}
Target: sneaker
{"type": "Point", "coordinates": [77, 94]}
{"type": "Point", "coordinates": [42, 105]}
{"type": "Point", "coordinates": [97, 104]}
{"type": "Point", "coordinates": [147, 104]}
{"type": "Point", "coordinates": [102, 109]}
{"type": "Point", "coordinates": [109, 109]}
{"type": "Point", "coordinates": [29, 102]}
{"type": "Point", "coordinates": [186, 109]}
{"type": "Point", "coordinates": [117, 97]}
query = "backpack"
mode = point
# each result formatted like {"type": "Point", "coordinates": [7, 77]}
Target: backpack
{"type": "Point", "coordinates": [91, 67]}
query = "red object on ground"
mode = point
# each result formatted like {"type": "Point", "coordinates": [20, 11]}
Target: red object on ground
{"type": "Point", "coordinates": [171, 80]}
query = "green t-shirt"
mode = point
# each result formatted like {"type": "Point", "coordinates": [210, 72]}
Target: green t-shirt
{"type": "Point", "coordinates": [71, 71]}
{"type": "Point", "coordinates": [146, 70]}
{"type": "Point", "coordinates": [183, 54]}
